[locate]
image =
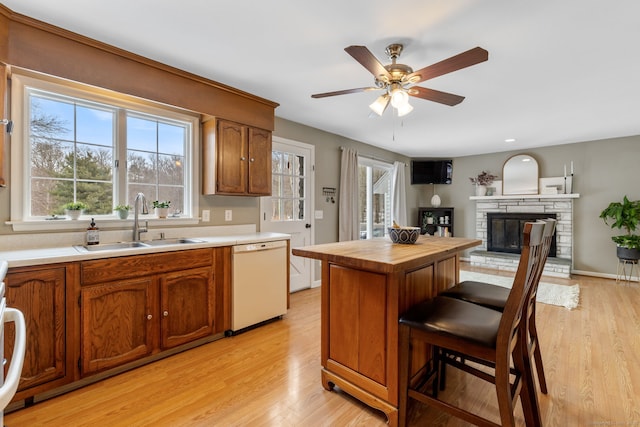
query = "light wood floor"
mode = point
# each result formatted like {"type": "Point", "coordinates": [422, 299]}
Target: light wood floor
{"type": "Point", "coordinates": [271, 376]}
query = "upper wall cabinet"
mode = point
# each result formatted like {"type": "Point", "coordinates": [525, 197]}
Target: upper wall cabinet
{"type": "Point", "coordinates": [236, 159]}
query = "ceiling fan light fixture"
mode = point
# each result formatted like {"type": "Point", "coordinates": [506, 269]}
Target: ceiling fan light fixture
{"type": "Point", "coordinates": [399, 97]}
{"type": "Point", "coordinates": [405, 109]}
{"type": "Point", "coordinates": [380, 104]}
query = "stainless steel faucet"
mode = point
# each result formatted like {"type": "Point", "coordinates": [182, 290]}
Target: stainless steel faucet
{"type": "Point", "coordinates": [136, 225]}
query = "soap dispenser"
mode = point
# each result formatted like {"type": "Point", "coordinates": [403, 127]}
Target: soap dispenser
{"type": "Point", "coordinates": [93, 234]}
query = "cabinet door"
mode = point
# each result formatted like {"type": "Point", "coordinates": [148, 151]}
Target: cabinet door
{"type": "Point", "coordinates": [40, 295]}
{"type": "Point", "coordinates": [187, 306]}
{"type": "Point", "coordinates": [231, 158]}
{"type": "Point", "coordinates": [259, 162]}
{"type": "Point", "coordinates": [118, 322]}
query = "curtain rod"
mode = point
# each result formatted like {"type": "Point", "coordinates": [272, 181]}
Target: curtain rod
{"type": "Point", "coordinates": [372, 157]}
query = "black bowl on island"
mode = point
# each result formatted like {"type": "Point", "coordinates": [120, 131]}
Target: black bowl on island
{"type": "Point", "coordinates": [404, 235]}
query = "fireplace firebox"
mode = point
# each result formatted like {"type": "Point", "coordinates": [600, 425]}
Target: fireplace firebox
{"type": "Point", "coordinates": [504, 231]}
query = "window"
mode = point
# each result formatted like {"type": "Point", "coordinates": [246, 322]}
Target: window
{"type": "Point", "coordinates": [288, 186]}
{"type": "Point", "coordinates": [374, 197]}
{"type": "Point", "coordinates": [101, 149]}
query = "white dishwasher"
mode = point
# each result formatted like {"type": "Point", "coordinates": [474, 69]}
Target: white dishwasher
{"type": "Point", "coordinates": [259, 283]}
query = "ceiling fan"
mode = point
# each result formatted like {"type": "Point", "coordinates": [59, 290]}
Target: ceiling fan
{"type": "Point", "coordinates": [398, 80]}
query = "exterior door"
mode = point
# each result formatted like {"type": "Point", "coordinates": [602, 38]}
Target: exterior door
{"type": "Point", "coordinates": [289, 208]}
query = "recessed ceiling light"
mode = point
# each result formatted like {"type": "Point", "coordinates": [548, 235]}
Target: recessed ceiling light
{"type": "Point", "coordinates": [510, 140]}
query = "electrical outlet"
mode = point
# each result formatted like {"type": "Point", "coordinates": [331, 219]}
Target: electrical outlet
{"type": "Point", "coordinates": [228, 215]}
{"type": "Point", "coordinates": [206, 215]}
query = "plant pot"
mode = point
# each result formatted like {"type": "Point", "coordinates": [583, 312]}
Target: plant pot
{"type": "Point", "coordinates": [481, 190]}
{"type": "Point", "coordinates": [73, 214]}
{"type": "Point", "coordinates": [429, 220]}
{"type": "Point", "coordinates": [123, 214]}
{"type": "Point", "coordinates": [162, 212]}
{"type": "Point", "coordinates": [627, 253]}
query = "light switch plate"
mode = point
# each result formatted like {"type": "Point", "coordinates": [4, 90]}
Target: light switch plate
{"type": "Point", "coordinates": [206, 215]}
{"type": "Point", "coordinates": [318, 214]}
{"type": "Point", "coordinates": [228, 215]}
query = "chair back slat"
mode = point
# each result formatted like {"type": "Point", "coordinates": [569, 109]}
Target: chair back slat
{"type": "Point", "coordinates": [530, 259]}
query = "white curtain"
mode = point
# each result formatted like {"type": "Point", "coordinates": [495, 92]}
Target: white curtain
{"type": "Point", "coordinates": [399, 194]}
{"type": "Point", "coordinates": [349, 228]}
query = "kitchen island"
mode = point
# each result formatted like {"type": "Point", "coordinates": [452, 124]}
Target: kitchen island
{"type": "Point", "coordinates": [366, 285]}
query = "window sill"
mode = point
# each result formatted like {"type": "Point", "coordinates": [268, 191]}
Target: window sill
{"type": "Point", "coordinates": [103, 224]}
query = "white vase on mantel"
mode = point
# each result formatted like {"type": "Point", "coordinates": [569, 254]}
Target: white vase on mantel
{"type": "Point", "coordinates": [435, 201]}
{"type": "Point", "coordinates": [481, 190]}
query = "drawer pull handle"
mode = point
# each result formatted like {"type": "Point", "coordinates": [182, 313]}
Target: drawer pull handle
{"type": "Point", "coordinates": [165, 313]}
{"type": "Point", "coordinates": [149, 317]}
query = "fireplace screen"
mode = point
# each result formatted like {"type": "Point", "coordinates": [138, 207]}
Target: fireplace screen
{"type": "Point", "coordinates": [504, 231]}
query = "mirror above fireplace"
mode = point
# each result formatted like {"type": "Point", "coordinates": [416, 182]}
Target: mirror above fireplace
{"type": "Point", "coordinates": [520, 175]}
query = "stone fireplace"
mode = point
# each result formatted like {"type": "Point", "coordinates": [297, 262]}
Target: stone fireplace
{"type": "Point", "coordinates": [504, 231]}
{"type": "Point", "coordinates": [516, 210]}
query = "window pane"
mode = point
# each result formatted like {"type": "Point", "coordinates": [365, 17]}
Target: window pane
{"type": "Point", "coordinates": [171, 139]}
{"type": "Point", "coordinates": [141, 167]}
{"type": "Point", "coordinates": [97, 195]}
{"type": "Point", "coordinates": [170, 170]}
{"type": "Point", "coordinates": [94, 125]}
{"type": "Point", "coordinates": [276, 162]}
{"type": "Point", "coordinates": [275, 210]}
{"type": "Point", "coordinates": [93, 163]}
{"type": "Point", "coordinates": [43, 200]}
{"type": "Point", "coordinates": [50, 158]}
{"type": "Point", "coordinates": [51, 119]}
{"type": "Point", "coordinates": [142, 134]}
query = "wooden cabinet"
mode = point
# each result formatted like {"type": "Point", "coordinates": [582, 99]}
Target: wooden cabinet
{"type": "Point", "coordinates": [133, 307]}
{"type": "Point", "coordinates": [39, 292]}
{"type": "Point", "coordinates": [236, 159]}
{"type": "Point", "coordinates": [441, 217]}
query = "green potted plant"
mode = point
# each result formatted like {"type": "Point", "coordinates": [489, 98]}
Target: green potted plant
{"type": "Point", "coordinates": [123, 210]}
{"type": "Point", "coordinates": [481, 182]}
{"type": "Point", "coordinates": [74, 209]}
{"type": "Point", "coordinates": [162, 208]}
{"type": "Point", "coordinates": [624, 215]}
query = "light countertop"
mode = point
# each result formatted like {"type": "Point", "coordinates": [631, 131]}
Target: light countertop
{"type": "Point", "coordinates": [68, 253]}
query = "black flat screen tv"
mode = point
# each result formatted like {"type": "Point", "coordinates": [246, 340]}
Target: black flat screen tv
{"type": "Point", "coordinates": [431, 171]}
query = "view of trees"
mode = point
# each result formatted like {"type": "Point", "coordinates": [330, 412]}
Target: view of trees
{"type": "Point", "coordinates": [64, 169]}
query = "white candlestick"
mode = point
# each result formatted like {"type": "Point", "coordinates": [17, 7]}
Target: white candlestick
{"type": "Point", "coordinates": [571, 167]}
{"type": "Point", "coordinates": [565, 170]}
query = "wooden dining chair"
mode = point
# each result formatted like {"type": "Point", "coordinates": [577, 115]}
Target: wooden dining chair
{"type": "Point", "coordinates": [495, 298]}
{"type": "Point", "coordinates": [464, 332]}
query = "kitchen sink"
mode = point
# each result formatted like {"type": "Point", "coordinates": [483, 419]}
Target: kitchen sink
{"type": "Point", "coordinates": [176, 241]}
{"type": "Point", "coordinates": [111, 246]}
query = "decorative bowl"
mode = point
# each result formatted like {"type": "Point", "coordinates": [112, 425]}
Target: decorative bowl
{"type": "Point", "coordinates": [404, 235]}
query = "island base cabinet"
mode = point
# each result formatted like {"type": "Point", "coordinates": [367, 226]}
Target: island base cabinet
{"type": "Point", "coordinates": [360, 310]}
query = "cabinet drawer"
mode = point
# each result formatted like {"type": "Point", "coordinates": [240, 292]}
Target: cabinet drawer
{"type": "Point", "coordinates": [109, 269]}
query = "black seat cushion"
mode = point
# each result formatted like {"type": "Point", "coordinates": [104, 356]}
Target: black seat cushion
{"type": "Point", "coordinates": [455, 318]}
{"type": "Point", "coordinates": [484, 294]}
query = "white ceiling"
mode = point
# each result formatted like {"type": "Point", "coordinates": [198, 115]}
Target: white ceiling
{"type": "Point", "coordinates": [558, 71]}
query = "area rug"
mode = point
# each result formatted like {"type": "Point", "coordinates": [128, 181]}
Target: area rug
{"type": "Point", "coordinates": [548, 293]}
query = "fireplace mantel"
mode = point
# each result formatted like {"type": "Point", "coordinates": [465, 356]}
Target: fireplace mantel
{"type": "Point", "coordinates": [526, 196]}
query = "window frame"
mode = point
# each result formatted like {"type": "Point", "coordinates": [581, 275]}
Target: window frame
{"type": "Point", "coordinates": [23, 80]}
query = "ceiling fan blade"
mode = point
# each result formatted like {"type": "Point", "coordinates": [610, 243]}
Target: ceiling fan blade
{"type": "Point", "coordinates": [368, 60]}
{"type": "Point", "coordinates": [344, 92]}
{"type": "Point", "coordinates": [458, 62]}
{"type": "Point", "coordinates": [435, 95]}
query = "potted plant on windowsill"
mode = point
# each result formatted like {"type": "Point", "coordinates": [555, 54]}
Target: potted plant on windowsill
{"type": "Point", "coordinates": [624, 215]}
{"type": "Point", "coordinates": [74, 209]}
{"type": "Point", "coordinates": [123, 211]}
{"type": "Point", "coordinates": [162, 208]}
{"type": "Point", "coordinates": [481, 182]}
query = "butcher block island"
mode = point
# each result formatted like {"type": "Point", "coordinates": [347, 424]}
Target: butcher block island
{"type": "Point", "coordinates": [366, 285]}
